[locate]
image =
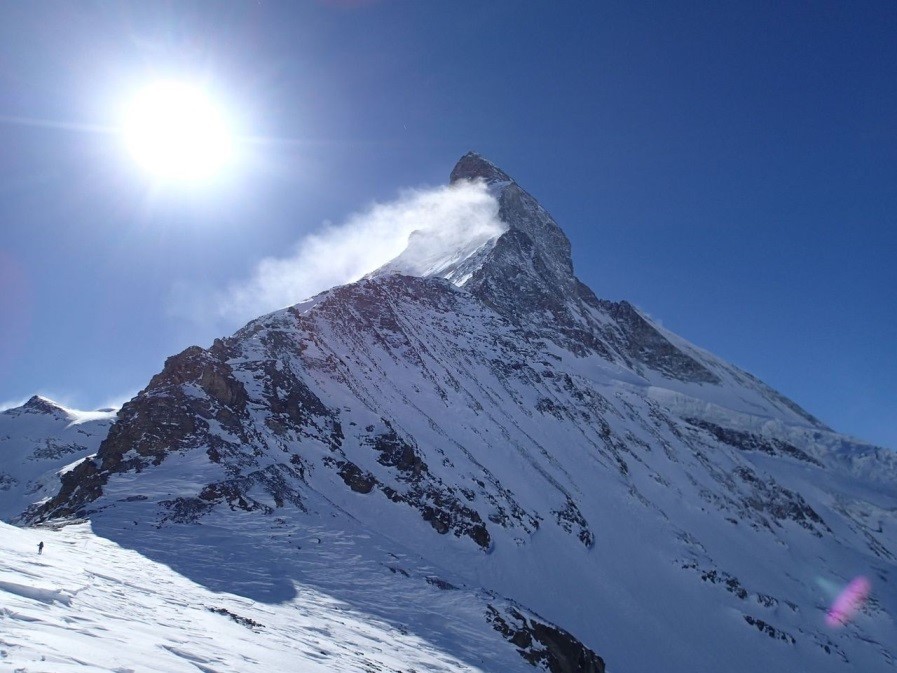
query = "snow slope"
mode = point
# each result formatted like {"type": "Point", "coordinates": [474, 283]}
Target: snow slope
{"type": "Point", "coordinates": [87, 604]}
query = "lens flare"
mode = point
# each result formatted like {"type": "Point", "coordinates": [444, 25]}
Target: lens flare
{"type": "Point", "coordinates": [848, 602]}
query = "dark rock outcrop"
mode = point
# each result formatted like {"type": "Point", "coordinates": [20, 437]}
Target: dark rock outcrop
{"type": "Point", "coordinates": [544, 645]}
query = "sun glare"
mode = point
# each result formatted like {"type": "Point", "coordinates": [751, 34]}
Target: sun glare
{"type": "Point", "coordinates": [176, 132]}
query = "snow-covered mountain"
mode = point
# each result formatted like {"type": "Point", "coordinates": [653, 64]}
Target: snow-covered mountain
{"type": "Point", "coordinates": [38, 440]}
{"type": "Point", "coordinates": [489, 427]}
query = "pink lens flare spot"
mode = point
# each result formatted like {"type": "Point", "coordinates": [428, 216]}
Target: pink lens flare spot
{"type": "Point", "coordinates": [848, 602]}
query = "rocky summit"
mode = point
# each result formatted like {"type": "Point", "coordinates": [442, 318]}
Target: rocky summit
{"type": "Point", "coordinates": [502, 463]}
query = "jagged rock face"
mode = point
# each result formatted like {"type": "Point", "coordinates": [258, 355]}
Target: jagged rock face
{"type": "Point", "coordinates": [545, 645]}
{"type": "Point", "coordinates": [535, 440]}
{"type": "Point", "coordinates": [524, 214]}
{"type": "Point", "coordinates": [533, 235]}
{"type": "Point", "coordinates": [530, 269]}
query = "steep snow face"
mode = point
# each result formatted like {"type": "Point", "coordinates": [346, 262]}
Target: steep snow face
{"type": "Point", "coordinates": [520, 435]}
{"type": "Point", "coordinates": [38, 440]}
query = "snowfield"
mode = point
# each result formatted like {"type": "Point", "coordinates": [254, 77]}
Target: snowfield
{"type": "Point", "coordinates": [87, 604]}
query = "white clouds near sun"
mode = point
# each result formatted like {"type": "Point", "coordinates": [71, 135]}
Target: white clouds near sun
{"type": "Point", "coordinates": [366, 241]}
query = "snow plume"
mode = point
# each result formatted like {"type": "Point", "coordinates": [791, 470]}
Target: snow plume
{"type": "Point", "coordinates": [451, 217]}
{"type": "Point", "coordinates": [12, 404]}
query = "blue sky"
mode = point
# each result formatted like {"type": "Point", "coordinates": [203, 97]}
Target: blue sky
{"type": "Point", "coordinates": [727, 167]}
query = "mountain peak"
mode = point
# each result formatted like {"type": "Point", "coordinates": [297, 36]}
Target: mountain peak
{"type": "Point", "coordinates": [525, 254]}
{"type": "Point", "coordinates": [473, 166]}
{"type": "Point", "coordinates": [530, 265]}
{"type": "Point", "coordinates": [42, 405]}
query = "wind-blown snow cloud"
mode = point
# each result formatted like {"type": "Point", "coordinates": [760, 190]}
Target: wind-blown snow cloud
{"type": "Point", "coordinates": [454, 215]}
{"type": "Point", "coordinates": [12, 404]}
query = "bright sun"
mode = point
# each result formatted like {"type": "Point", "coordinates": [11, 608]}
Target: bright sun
{"type": "Point", "coordinates": [176, 132]}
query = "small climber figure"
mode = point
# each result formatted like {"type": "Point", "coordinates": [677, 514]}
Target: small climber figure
{"type": "Point", "coordinates": [40, 547]}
